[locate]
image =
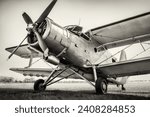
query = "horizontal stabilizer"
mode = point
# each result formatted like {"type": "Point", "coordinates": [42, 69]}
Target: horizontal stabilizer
{"type": "Point", "coordinates": [114, 81]}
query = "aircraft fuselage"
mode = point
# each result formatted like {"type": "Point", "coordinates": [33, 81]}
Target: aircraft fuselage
{"type": "Point", "coordinates": [79, 51]}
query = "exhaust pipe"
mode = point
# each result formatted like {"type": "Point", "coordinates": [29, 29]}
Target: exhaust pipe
{"type": "Point", "coordinates": [52, 59]}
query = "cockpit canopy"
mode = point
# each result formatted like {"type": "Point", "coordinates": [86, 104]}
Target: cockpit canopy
{"type": "Point", "coordinates": [74, 28]}
{"type": "Point", "coordinates": [77, 30]}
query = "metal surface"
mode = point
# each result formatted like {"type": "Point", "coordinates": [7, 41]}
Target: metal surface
{"type": "Point", "coordinates": [126, 68]}
{"type": "Point", "coordinates": [123, 32]}
{"type": "Point", "coordinates": [73, 48]}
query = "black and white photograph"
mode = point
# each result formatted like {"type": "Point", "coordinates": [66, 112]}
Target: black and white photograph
{"type": "Point", "coordinates": [74, 50]}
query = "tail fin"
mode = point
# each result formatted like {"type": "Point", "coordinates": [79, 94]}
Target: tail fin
{"type": "Point", "coordinates": [123, 57]}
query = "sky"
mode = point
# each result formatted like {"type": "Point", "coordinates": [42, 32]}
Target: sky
{"type": "Point", "coordinates": [90, 13]}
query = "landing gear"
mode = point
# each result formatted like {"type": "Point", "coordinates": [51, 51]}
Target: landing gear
{"type": "Point", "coordinates": [100, 83]}
{"type": "Point", "coordinates": [101, 86]}
{"type": "Point", "coordinates": [39, 85]}
{"type": "Point", "coordinates": [123, 88]}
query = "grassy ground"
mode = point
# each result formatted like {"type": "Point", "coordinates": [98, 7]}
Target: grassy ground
{"type": "Point", "coordinates": [70, 91]}
{"type": "Point", "coordinates": [26, 94]}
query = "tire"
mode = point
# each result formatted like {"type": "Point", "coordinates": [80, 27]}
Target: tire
{"type": "Point", "coordinates": [38, 85]}
{"type": "Point", "coordinates": [101, 86]}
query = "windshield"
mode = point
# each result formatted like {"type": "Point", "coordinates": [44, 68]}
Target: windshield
{"type": "Point", "coordinates": [74, 28]}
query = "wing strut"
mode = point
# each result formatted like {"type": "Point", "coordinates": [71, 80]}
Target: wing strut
{"type": "Point", "coordinates": [41, 85]}
{"type": "Point", "coordinates": [30, 61]}
{"type": "Point", "coordinates": [51, 78]}
{"type": "Point", "coordinates": [61, 79]}
{"type": "Point", "coordinates": [115, 54]}
{"type": "Point", "coordinates": [141, 45]}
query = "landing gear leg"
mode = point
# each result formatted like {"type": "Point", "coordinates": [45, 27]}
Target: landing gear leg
{"type": "Point", "coordinates": [40, 85]}
{"type": "Point", "coordinates": [101, 86]}
{"type": "Point", "coordinates": [100, 83]}
{"type": "Point", "coordinates": [123, 88]}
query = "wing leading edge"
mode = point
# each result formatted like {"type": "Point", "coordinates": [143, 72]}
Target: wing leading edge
{"type": "Point", "coordinates": [38, 72]}
{"type": "Point", "coordinates": [42, 72]}
{"type": "Point", "coordinates": [126, 68]}
{"type": "Point", "coordinates": [24, 51]}
{"type": "Point", "coordinates": [124, 32]}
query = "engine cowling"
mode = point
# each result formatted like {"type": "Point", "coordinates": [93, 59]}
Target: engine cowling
{"type": "Point", "coordinates": [43, 29]}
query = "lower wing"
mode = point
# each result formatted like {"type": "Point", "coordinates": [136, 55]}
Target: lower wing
{"type": "Point", "coordinates": [42, 72]}
{"type": "Point", "coordinates": [126, 68]}
{"type": "Point", "coordinates": [25, 51]}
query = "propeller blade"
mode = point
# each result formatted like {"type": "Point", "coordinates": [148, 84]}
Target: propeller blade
{"type": "Point", "coordinates": [42, 44]}
{"type": "Point", "coordinates": [16, 48]}
{"type": "Point", "coordinates": [27, 19]}
{"type": "Point", "coordinates": [46, 12]}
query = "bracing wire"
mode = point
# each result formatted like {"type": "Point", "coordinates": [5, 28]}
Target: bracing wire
{"type": "Point", "coordinates": [114, 54]}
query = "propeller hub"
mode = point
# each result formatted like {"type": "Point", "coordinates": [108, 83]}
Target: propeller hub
{"type": "Point", "coordinates": [32, 28]}
{"type": "Point", "coordinates": [29, 27]}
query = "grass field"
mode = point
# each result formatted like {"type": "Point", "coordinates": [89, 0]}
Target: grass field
{"type": "Point", "coordinates": [68, 91]}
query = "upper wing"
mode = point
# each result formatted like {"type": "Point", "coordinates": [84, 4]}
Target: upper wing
{"type": "Point", "coordinates": [126, 68]}
{"type": "Point", "coordinates": [25, 51]}
{"type": "Point", "coordinates": [127, 31]}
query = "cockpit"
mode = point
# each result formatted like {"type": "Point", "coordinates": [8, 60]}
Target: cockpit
{"type": "Point", "coordinates": [74, 28]}
{"type": "Point", "coordinates": [77, 30]}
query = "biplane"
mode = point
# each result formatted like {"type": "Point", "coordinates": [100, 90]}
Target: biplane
{"type": "Point", "coordinates": [83, 55]}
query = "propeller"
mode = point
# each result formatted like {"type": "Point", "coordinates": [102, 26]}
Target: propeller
{"type": "Point", "coordinates": [46, 12]}
{"type": "Point", "coordinates": [32, 27]}
{"type": "Point", "coordinates": [17, 48]}
{"type": "Point", "coordinates": [27, 19]}
{"type": "Point", "coordinates": [40, 40]}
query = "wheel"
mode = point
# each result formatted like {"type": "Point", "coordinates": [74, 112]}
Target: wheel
{"type": "Point", "coordinates": [38, 85]}
{"type": "Point", "coordinates": [101, 86]}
